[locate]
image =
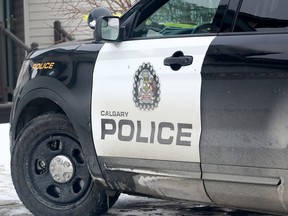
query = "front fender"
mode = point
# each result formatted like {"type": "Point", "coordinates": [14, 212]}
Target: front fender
{"type": "Point", "coordinates": [68, 87]}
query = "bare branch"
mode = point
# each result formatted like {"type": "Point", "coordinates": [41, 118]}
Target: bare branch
{"type": "Point", "coordinates": [74, 10]}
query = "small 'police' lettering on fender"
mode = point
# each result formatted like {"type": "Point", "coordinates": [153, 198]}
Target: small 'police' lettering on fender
{"type": "Point", "coordinates": [165, 133]}
{"type": "Point", "coordinates": [43, 66]}
{"type": "Point", "coordinates": [114, 114]}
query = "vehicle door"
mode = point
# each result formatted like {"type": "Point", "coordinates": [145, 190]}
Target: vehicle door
{"type": "Point", "coordinates": [146, 98]}
{"type": "Point", "coordinates": [244, 108]}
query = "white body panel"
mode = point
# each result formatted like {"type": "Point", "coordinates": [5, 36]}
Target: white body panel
{"type": "Point", "coordinates": [179, 99]}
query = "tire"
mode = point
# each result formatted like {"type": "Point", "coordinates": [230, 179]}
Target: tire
{"type": "Point", "coordinates": [49, 172]}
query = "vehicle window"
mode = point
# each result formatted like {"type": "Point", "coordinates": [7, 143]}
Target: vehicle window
{"type": "Point", "coordinates": [262, 16]}
{"type": "Point", "coordinates": [178, 17]}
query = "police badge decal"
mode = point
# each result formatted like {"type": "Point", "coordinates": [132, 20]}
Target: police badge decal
{"type": "Point", "coordinates": [146, 88]}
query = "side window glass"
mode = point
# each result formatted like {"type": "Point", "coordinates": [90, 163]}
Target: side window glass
{"type": "Point", "coordinates": [178, 17]}
{"type": "Point", "coordinates": [262, 16]}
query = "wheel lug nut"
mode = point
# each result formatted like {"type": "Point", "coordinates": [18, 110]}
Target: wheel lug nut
{"type": "Point", "coordinates": [67, 164]}
{"type": "Point", "coordinates": [56, 177]}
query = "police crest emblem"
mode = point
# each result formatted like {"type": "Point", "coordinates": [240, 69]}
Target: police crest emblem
{"type": "Point", "coordinates": [146, 88]}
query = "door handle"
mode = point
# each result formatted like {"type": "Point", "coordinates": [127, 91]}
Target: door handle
{"type": "Point", "coordinates": [178, 60]}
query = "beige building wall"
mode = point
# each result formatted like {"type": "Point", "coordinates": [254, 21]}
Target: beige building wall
{"type": "Point", "coordinates": [40, 15]}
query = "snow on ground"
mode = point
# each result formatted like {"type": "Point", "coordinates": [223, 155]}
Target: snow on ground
{"type": "Point", "coordinates": [10, 205]}
{"type": "Point", "coordinates": [4, 150]}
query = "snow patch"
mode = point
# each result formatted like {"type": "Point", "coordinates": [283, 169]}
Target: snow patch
{"type": "Point", "coordinates": [4, 149]}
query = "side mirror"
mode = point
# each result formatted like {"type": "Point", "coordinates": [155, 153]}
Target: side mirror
{"type": "Point", "coordinates": [107, 28]}
{"type": "Point", "coordinates": [95, 14]}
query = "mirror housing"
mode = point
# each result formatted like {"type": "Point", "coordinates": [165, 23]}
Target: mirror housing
{"type": "Point", "coordinates": [108, 29]}
{"type": "Point", "coordinates": [95, 14]}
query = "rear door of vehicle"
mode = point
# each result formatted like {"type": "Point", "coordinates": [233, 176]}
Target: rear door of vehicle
{"type": "Point", "coordinates": [244, 108]}
{"type": "Point", "coordinates": [146, 99]}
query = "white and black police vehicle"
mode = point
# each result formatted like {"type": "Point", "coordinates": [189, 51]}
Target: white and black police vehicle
{"type": "Point", "coordinates": [177, 99]}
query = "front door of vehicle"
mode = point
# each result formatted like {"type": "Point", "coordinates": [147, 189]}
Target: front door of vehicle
{"type": "Point", "coordinates": [146, 100]}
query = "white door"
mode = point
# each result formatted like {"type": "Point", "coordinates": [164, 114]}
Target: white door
{"type": "Point", "coordinates": [142, 108]}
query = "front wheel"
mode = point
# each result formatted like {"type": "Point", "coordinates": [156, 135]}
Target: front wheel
{"type": "Point", "coordinates": [49, 171]}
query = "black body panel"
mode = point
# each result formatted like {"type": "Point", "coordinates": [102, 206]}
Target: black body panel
{"type": "Point", "coordinates": [244, 111]}
{"type": "Point", "coordinates": [59, 79]}
{"type": "Point", "coordinates": [244, 101]}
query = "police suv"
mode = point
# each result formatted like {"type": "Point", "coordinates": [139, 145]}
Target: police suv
{"type": "Point", "coordinates": [177, 99]}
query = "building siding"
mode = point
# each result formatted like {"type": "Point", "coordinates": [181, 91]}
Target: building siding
{"type": "Point", "coordinates": [41, 18]}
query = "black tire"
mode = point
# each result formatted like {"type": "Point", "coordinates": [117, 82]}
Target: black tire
{"type": "Point", "coordinates": [49, 172]}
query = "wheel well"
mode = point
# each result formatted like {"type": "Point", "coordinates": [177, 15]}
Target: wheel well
{"type": "Point", "coordinates": [36, 108]}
